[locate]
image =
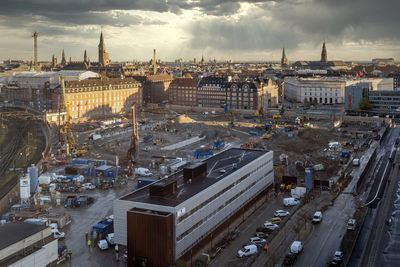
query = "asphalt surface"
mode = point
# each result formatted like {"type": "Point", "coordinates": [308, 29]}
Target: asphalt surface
{"type": "Point", "coordinates": [82, 221]}
{"type": "Point", "coordinates": [228, 256]}
{"type": "Point", "coordinates": [369, 243]}
{"type": "Point", "coordinates": [327, 236]}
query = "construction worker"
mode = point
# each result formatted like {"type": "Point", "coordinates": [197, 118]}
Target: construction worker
{"type": "Point", "coordinates": [86, 235]}
{"type": "Point", "coordinates": [89, 243]}
{"type": "Point", "coordinates": [69, 254]}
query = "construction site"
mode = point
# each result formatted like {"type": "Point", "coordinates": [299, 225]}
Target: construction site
{"type": "Point", "coordinates": [92, 162]}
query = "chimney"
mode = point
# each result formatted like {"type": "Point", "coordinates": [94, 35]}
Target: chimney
{"type": "Point", "coordinates": [35, 53]}
{"type": "Point", "coordinates": [154, 62]}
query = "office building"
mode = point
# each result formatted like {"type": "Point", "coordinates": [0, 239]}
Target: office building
{"type": "Point", "coordinates": [354, 93]}
{"type": "Point", "coordinates": [183, 91]}
{"type": "Point", "coordinates": [25, 244]}
{"type": "Point", "coordinates": [167, 219]}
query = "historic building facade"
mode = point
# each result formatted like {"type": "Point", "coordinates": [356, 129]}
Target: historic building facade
{"type": "Point", "coordinates": [183, 91]}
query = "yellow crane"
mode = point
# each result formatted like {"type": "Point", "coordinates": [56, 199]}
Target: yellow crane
{"type": "Point", "coordinates": [67, 128]}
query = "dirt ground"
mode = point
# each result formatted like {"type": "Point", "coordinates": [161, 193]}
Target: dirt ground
{"type": "Point", "coordinates": [169, 127]}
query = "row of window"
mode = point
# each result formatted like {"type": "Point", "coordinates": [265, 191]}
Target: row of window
{"type": "Point", "coordinates": [101, 88]}
{"type": "Point", "coordinates": [320, 94]}
{"type": "Point", "coordinates": [216, 195]}
{"type": "Point", "coordinates": [229, 201]}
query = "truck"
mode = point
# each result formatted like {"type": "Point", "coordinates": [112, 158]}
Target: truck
{"type": "Point", "coordinates": [103, 228]}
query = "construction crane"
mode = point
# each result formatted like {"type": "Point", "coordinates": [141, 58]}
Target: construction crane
{"type": "Point", "coordinates": [132, 154]}
{"type": "Point", "coordinates": [72, 144]}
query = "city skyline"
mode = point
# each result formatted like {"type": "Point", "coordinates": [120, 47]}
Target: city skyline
{"type": "Point", "coordinates": [225, 30]}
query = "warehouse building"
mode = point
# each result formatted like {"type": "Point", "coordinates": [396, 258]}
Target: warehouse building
{"type": "Point", "coordinates": [25, 244]}
{"type": "Point", "coordinates": [165, 220]}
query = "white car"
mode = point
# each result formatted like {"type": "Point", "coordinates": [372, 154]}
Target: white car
{"type": "Point", "coordinates": [281, 213]}
{"type": "Point", "coordinates": [247, 251]}
{"type": "Point", "coordinates": [57, 234]}
{"type": "Point", "coordinates": [110, 239]}
{"type": "Point", "coordinates": [88, 186]}
{"type": "Point", "coordinates": [102, 244]}
{"type": "Point", "coordinates": [270, 226]}
{"type": "Point", "coordinates": [296, 247]}
{"type": "Point", "coordinates": [143, 172]}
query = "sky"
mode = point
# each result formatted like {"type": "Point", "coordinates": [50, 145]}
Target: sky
{"type": "Point", "coordinates": [252, 30]}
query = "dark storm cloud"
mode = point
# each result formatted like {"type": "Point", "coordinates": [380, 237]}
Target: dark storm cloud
{"type": "Point", "coordinates": [291, 23]}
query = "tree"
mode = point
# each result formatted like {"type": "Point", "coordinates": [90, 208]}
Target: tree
{"type": "Point", "coordinates": [364, 104]}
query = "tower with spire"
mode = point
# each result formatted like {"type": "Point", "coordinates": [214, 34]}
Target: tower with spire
{"type": "Point", "coordinates": [85, 58]}
{"type": "Point", "coordinates": [53, 61]}
{"type": "Point", "coordinates": [103, 55]}
{"type": "Point", "coordinates": [324, 55]}
{"type": "Point", "coordinates": [63, 60]}
{"type": "Point", "coordinates": [284, 60]}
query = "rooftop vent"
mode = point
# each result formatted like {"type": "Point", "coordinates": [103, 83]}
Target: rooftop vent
{"type": "Point", "coordinates": [163, 188]}
{"type": "Point", "coordinates": [195, 171]}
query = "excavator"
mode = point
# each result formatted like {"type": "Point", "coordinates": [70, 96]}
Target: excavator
{"type": "Point", "coordinates": [72, 143]}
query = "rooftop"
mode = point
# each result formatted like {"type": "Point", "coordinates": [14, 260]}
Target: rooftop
{"type": "Point", "coordinates": [218, 167]}
{"type": "Point", "coordinates": [13, 232]}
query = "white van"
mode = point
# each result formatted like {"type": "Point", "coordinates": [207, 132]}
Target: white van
{"type": "Point", "coordinates": [317, 217]}
{"type": "Point", "coordinates": [247, 251]}
{"type": "Point", "coordinates": [290, 201]}
{"type": "Point", "coordinates": [296, 247]}
{"type": "Point", "coordinates": [356, 162]}
{"type": "Point", "coordinates": [102, 244]}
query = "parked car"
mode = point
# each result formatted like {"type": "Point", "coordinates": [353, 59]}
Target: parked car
{"type": "Point", "coordinates": [275, 220]}
{"type": "Point", "coordinates": [88, 186]}
{"type": "Point", "coordinates": [281, 213]}
{"type": "Point", "coordinates": [290, 201]}
{"type": "Point", "coordinates": [290, 258]}
{"type": "Point", "coordinates": [296, 247]}
{"type": "Point", "coordinates": [337, 258]}
{"type": "Point", "coordinates": [351, 224]}
{"type": "Point", "coordinates": [356, 162]}
{"type": "Point", "coordinates": [317, 217]}
{"type": "Point", "coordinates": [57, 234]}
{"type": "Point", "coordinates": [102, 244]}
{"type": "Point", "coordinates": [257, 241]}
{"type": "Point", "coordinates": [261, 235]}
{"type": "Point", "coordinates": [270, 226]}
{"type": "Point", "coordinates": [110, 239]}
{"type": "Point", "coordinates": [247, 251]}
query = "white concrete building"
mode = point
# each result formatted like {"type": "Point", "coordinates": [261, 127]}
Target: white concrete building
{"type": "Point", "coordinates": [327, 90]}
{"type": "Point", "coordinates": [24, 244]}
{"type": "Point", "coordinates": [221, 186]}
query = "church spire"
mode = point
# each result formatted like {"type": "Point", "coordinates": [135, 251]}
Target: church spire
{"type": "Point", "coordinates": [284, 60]}
{"type": "Point", "coordinates": [324, 55]}
{"type": "Point", "coordinates": [103, 55]}
{"type": "Point", "coordinates": [85, 58]}
{"type": "Point", "coordinates": [63, 61]}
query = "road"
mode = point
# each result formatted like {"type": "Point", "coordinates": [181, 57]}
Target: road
{"type": "Point", "coordinates": [228, 256]}
{"type": "Point", "coordinates": [326, 237]}
{"type": "Point", "coordinates": [369, 245]}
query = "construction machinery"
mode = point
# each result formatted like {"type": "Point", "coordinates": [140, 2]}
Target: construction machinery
{"type": "Point", "coordinates": [253, 143]}
{"type": "Point", "coordinates": [132, 154]}
{"type": "Point", "coordinates": [71, 141]}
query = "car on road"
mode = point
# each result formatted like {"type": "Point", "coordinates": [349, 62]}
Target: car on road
{"type": "Point", "coordinates": [275, 220]}
{"type": "Point", "coordinates": [270, 226]}
{"type": "Point", "coordinates": [281, 213]}
{"type": "Point", "coordinates": [351, 224]}
{"type": "Point", "coordinates": [102, 244]}
{"type": "Point", "coordinates": [247, 251]}
{"type": "Point", "coordinates": [296, 247]}
{"type": "Point", "coordinates": [337, 258]}
{"type": "Point", "coordinates": [57, 234]}
{"type": "Point", "coordinates": [257, 241]}
{"type": "Point", "coordinates": [289, 259]}
{"type": "Point", "coordinates": [317, 218]}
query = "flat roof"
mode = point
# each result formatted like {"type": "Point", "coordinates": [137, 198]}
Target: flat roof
{"type": "Point", "coordinates": [13, 232]}
{"type": "Point", "coordinates": [218, 167]}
